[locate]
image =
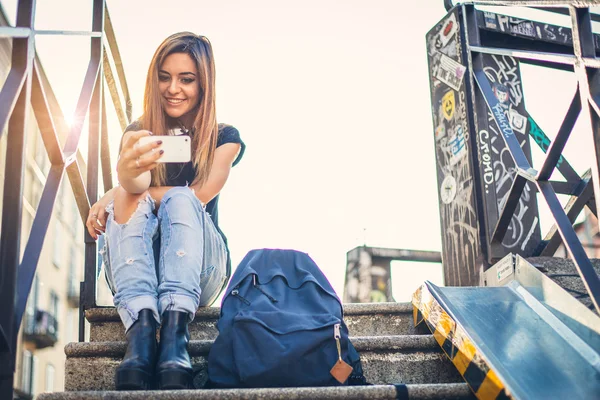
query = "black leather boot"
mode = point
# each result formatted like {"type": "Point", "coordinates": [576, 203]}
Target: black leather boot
{"type": "Point", "coordinates": [174, 367]}
{"type": "Point", "coordinates": [136, 372]}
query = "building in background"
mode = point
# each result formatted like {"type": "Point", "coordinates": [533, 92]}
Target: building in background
{"type": "Point", "coordinates": [369, 272]}
{"type": "Point", "coordinates": [51, 319]}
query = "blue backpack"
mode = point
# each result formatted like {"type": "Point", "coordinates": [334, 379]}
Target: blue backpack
{"type": "Point", "coordinates": [281, 325]}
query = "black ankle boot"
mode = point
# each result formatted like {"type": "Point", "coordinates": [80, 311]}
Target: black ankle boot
{"type": "Point", "coordinates": [136, 372]}
{"type": "Point", "coordinates": [174, 367]}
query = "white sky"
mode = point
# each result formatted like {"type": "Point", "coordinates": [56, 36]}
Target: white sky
{"type": "Point", "coordinates": [332, 100]}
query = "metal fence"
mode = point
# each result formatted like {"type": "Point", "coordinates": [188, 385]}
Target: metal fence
{"type": "Point", "coordinates": [487, 40]}
{"type": "Point", "coordinates": [27, 87]}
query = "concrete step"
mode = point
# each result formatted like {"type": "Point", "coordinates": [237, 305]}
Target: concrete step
{"type": "Point", "coordinates": [386, 360]}
{"type": "Point", "coordinates": [370, 319]}
{"type": "Point", "coordinates": [564, 273]}
{"type": "Point", "coordinates": [449, 391]}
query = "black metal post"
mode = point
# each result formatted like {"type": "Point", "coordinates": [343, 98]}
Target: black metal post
{"type": "Point", "coordinates": [573, 245]}
{"type": "Point", "coordinates": [10, 244]}
{"type": "Point", "coordinates": [35, 243]}
{"type": "Point", "coordinates": [583, 46]}
{"type": "Point", "coordinates": [88, 293]}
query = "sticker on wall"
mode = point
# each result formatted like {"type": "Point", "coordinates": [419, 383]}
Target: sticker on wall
{"type": "Point", "coordinates": [448, 105]}
{"type": "Point", "coordinates": [490, 20]}
{"type": "Point", "coordinates": [450, 72]}
{"type": "Point", "coordinates": [448, 189]}
{"type": "Point", "coordinates": [516, 26]}
{"type": "Point", "coordinates": [502, 94]}
{"type": "Point", "coordinates": [450, 49]}
{"type": "Point", "coordinates": [458, 148]}
{"type": "Point", "coordinates": [517, 121]}
{"type": "Point", "coordinates": [449, 27]}
{"type": "Point", "coordinates": [440, 132]}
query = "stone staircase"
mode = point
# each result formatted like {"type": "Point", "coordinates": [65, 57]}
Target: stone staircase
{"type": "Point", "coordinates": [401, 361]}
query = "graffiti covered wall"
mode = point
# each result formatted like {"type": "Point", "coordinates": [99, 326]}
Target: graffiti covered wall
{"type": "Point", "coordinates": [461, 251]}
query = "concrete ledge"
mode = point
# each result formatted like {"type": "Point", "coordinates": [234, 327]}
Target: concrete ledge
{"type": "Point", "coordinates": [458, 391]}
{"type": "Point", "coordinates": [374, 319]}
{"type": "Point", "coordinates": [377, 308]}
{"type": "Point", "coordinates": [117, 349]}
{"type": "Point", "coordinates": [400, 342]}
{"type": "Point", "coordinates": [202, 347]}
{"type": "Point", "coordinates": [105, 314]}
{"type": "Point", "coordinates": [110, 313]}
{"type": "Point", "coordinates": [402, 359]}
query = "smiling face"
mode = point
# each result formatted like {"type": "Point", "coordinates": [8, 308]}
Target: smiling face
{"type": "Point", "coordinates": [179, 87]}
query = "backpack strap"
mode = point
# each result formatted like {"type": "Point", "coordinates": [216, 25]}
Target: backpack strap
{"type": "Point", "coordinates": [401, 392]}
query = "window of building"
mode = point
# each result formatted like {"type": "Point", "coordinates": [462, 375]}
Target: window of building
{"type": "Point", "coordinates": [26, 371]}
{"type": "Point", "coordinates": [54, 308]}
{"type": "Point", "coordinates": [28, 365]}
{"type": "Point", "coordinates": [75, 217]}
{"type": "Point", "coordinates": [32, 302]}
{"type": "Point", "coordinates": [60, 199]}
{"type": "Point", "coordinates": [37, 188]}
{"type": "Point", "coordinates": [56, 251]}
{"type": "Point", "coordinates": [70, 326]}
{"type": "Point", "coordinates": [49, 378]}
{"type": "Point", "coordinates": [73, 282]}
{"type": "Point", "coordinates": [41, 156]}
{"type": "Point", "coordinates": [34, 367]}
{"type": "Point", "coordinates": [54, 304]}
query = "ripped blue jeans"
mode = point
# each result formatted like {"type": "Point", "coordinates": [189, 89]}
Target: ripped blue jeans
{"type": "Point", "coordinates": [175, 260]}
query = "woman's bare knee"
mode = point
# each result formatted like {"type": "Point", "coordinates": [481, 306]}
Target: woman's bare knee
{"type": "Point", "coordinates": [126, 204]}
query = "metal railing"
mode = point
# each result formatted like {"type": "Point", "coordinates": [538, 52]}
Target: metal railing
{"type": "Point", "coordinates": [487, 40]}
{"type": "Point", "coordinates": [25, 86]}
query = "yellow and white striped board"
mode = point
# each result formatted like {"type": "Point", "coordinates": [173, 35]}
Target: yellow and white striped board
{"type": "Point", "coordinates": [457, 345]}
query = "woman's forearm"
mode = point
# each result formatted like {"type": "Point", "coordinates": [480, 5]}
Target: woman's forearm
{"type": "Point", "coordinates": [110, 194]}
{"type": "Point", "coordinates": [136, 185]}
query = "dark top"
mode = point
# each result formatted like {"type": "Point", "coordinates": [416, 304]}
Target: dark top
{"type": "Point", "coordinates": [182, 174]}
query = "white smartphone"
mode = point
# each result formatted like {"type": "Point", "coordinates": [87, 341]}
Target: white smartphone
{"type": "Point", "coordinates": [177, 149]}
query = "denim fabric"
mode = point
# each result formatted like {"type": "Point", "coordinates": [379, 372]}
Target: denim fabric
{"type": "Point", "coordinates": [175, 260]}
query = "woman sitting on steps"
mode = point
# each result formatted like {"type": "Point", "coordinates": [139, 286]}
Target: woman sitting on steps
{"type": "Point", "coordinates": [165, 255]}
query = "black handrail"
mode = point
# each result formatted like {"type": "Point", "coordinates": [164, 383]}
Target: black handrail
{"type": "Point", "coordinates": [28, 85]}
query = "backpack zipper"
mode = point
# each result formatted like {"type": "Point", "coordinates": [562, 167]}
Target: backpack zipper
{"type": "Point", "coordinates": [336, 331]}
{"type": "Point", "coordinates": [273, 300]}
{"type": "Point", "coordinates": [236, 293]}
{"type": "Point", "coordinates": [337, 336]}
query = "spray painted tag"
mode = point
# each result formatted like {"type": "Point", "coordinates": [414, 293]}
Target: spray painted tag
{"type": "Point", "coordinates": [341, 371]}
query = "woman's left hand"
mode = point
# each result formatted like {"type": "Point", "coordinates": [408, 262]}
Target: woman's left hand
{"type": "Point", "coordinates": [96, 220]}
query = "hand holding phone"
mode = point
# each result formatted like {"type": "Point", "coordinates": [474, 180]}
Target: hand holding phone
{"type": "Point", "coordinates": [177, 149]}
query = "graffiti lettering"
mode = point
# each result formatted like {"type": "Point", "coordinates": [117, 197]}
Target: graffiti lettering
{"type": "Point", "coordinates": [516, 26]}
{"type": "Point", "coordinates": [502, 121]}
{"type": "Point", "coordinates": [549, 29]}
{"type": "Point", "coordinates": [565, 35]}
{"type": "Point", "coordinates": [486, 159]}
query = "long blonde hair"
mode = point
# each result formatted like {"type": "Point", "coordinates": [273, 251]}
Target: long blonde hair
{"type": "Point", "coordinates": [205, 130]}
